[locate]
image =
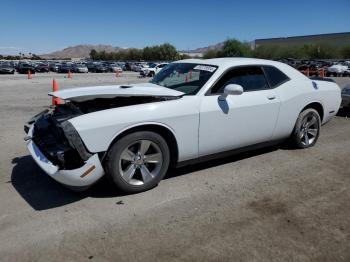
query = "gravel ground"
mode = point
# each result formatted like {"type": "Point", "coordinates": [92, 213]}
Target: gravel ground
{"type": "Point", "coordinates": [275, 204]}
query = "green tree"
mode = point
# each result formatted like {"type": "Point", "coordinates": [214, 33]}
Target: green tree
{"type": "Point", "coordinates": [345, 52]}
{"type": "Point", "coordinates": [234, 48]}
{"type": "Point", "coordinates": [210, 54]}
{"type": "Point", "coordinates": [322, 51]}
{"type": "Point", "coordinates": [167, 52]}
{"type": "Point", "coordinates": [93, 54]}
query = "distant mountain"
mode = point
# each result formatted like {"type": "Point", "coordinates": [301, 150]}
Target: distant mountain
{"type": "Point", "coordinates": [81, 51]}
{"type": "Point", "coordinates": [202, 50]}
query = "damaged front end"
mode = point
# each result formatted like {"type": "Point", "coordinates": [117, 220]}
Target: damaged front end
{"type": "Point", "coordinates": [57, 148]}
{"type": "Point", "coordinates": [56, 137]}
{"type": "Point", "coordinates": [56, 145]}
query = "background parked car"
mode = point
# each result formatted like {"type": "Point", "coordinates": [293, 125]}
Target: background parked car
{"type": "Point", "coordinates": [137, 67]}
{"type": "Point", "coordinates": [100, 68]}
{"type": "Point", "coordinates": [337, 70]}
{"type": "Point", "coordinates": [114, 67]}
{"type": "Point", "coordinates": [7, 68]}
{"type": "Point", "coordinates": [80, 68]}
{"type": "Point", "coordinates": [24, 68]}
{"type": "Point", "coordinates": [345, 95]}
{"type": "Point", "coordinates": [54, 67]}
{"type": "Point", "coordinates": [42, 67]}
{"type": "Point", "coordinates": [127, 66]}
{"type": "Point", "coordinates": [65, 68]}
{"type": "Point", "coordinates": [152, 70]}
{"type": "Point", "coordinates": [91, 66]}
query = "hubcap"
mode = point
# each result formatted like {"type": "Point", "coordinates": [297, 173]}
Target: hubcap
{"type": "Point", "coordinates": [140, 162]}
{"type": "Point", "coordinates": [309, 129]}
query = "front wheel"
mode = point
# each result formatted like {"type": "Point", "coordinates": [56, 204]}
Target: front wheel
{"type": "Point", "coordinates": [307, 129]}
{"type": "Point", "coordinates": [138, 161]}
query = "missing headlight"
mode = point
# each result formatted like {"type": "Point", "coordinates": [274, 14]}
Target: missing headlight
{"type": "Point", "coordinates": [74, 140]}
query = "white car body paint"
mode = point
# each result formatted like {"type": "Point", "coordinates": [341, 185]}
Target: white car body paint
{"type": "Point", "coordinates": [87, 93]}
{"type": "Point", "coordinates": [201, 123]}
{"type": "Point", "coordinates": [180, 115]}
{"type": "Point", "coordinates": [249, 118]}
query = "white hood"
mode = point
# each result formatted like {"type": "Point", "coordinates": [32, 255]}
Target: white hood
{"type": "Point", "coordinates": [88, 93]}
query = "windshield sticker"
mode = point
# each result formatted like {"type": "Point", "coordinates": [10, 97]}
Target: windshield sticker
{"type": "Point", "coordinates": [210, 69]}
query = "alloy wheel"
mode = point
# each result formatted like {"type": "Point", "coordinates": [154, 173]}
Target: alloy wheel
{"type": "Point", "coordinates": [140, 162]}
{"type": "Point", "coordinates": [309, 129]}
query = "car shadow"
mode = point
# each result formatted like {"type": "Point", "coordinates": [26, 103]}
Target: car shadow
{"type": "Point", "coordinates": [174, 172]}
{"type": "Point", "coordinates": [39, 190]}
{"type": "Point", "coordinates": [344, 112]}
{"type": "Point", "coordinates": [42, 192]}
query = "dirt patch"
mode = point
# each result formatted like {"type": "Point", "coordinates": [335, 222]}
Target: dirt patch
{"type": "Point", "coordinates": [268, 206]}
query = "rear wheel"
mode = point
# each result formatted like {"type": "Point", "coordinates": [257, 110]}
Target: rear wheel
{"type": "Point", "coordinates": [138, 161]}
{"type": "Point", "coordinates": [307, 129]}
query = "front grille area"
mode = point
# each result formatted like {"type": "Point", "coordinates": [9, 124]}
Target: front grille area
{"type": "Point", "coordinates": [50, 139]}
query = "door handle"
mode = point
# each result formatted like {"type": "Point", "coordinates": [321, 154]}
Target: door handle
{"type": "Point", "coordinates": [271, 97]}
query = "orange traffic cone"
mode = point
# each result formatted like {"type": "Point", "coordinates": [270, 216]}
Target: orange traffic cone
{"type": "Point", "coordinates": [29, 74]}
{"type": "Point", "coordinates": [69, 74]}
{"type": "Point", "coordinates": [307, 72]}
{"type": "Point", "coordinates": [55, 100]}
{"type": "Point", "coordinates": [322, 72]}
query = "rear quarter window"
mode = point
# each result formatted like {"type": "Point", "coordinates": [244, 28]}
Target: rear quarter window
{"type": "Point", "coordinates": [275, 76]}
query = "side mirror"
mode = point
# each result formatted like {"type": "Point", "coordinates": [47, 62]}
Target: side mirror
{"type": "Point", "coordinates": [231, 89]}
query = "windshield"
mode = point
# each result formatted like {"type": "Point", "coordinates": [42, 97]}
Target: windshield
{"type": "Point", "coordinates": [185, 77]}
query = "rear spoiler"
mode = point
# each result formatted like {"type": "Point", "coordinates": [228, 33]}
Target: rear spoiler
{"type": "Point", "coordinates": [322, 79]}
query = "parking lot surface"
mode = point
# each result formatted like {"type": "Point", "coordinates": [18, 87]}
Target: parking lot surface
{"type": "Point", "coordinates": [274, 204]}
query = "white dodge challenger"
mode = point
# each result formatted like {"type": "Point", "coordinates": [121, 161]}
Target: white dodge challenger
{"type": "Point", "coordinates": [192, 110]}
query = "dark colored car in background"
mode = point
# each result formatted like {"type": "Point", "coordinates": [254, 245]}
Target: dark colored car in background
{"type": "Point", "coordinates": [127, 66]}
{"type": "Point", "coordinates": [65, 68]}
{"type": "Point", "coordinates": [90, 66]}
{"type": "Point", "coordinates": [24, 68]}
{"type": "Point", "coordinates": [42, 68]}
{"type": "Point", "coordinates": [99, 68]}
{"type": "Point", "coordinates": [7, 68]}
{"type": "Point", "coordinates": [345, 95]}
{"type": "Point", "coordinates": [54, 67]}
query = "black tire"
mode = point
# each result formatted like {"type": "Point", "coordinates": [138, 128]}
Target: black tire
{"type": "Point", "coordinates": [113, 160]}
{"type": "Point", "coordinates": [298, 136]}
{"type": "Point", "coordinates": [151, 74]}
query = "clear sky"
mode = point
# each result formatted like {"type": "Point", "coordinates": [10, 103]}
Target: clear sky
{"type": "Point", "coordinates": [42, 26]}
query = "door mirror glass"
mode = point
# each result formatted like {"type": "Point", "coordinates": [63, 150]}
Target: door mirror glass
{"type": "Point", "coordinates": [231, 89]}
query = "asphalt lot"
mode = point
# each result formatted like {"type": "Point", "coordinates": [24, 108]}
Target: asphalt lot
{"type": "Point", "coordinates": [275, 204]}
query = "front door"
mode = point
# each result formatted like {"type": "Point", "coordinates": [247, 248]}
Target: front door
{"type": "Point", "coordinates": [239, 120]}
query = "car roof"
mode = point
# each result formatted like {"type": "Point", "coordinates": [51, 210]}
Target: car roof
{"type": "Point", "coordinates": [230, 61]}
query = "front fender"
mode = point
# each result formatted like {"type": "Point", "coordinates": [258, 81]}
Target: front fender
{"type": "Point", "coordinates": [144, 124]}
{"type": "Point", "coordinates": [181, 116]}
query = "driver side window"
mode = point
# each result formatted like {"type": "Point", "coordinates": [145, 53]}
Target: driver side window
{"type": "Point", "coordinates": [251, 78]}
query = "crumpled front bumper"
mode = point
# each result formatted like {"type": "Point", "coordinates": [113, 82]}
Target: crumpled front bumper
{"type": "Point", "coordinates": [79, 178]}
